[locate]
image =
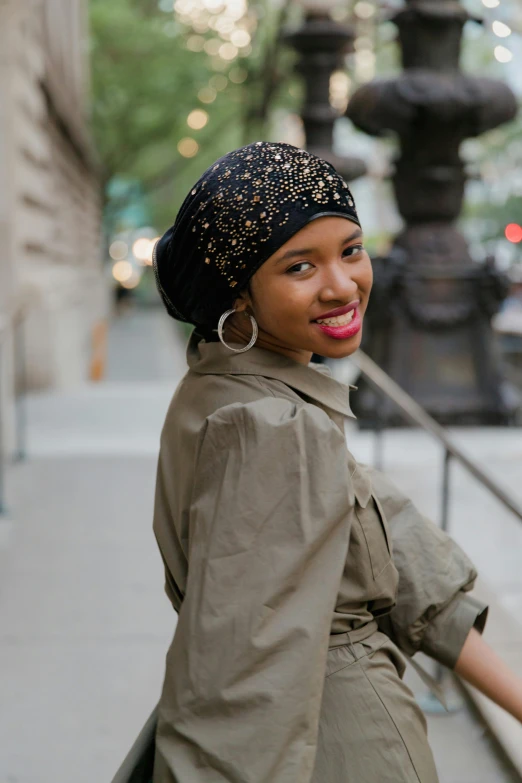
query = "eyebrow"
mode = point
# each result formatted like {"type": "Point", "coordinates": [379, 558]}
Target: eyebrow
{"type": "Point", "coordinates": [303, 251]}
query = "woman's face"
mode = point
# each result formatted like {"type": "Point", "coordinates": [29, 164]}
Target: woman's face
{"type": "Point", "coordinates": [322, 268]}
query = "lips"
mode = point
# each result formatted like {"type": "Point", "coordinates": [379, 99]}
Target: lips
{"type": "Point", "coordinates": [339, 310]}
{"type": "Point", "coordinates": [344, 330]}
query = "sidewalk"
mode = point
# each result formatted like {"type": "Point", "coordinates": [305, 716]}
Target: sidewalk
{"type": "Point", "coordinates": [84, 623]}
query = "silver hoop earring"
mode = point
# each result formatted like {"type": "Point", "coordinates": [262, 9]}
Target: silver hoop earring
{"type": "Point", "coordinates": [252, 339]}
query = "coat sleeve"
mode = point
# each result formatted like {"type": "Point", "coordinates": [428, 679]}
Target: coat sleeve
{"type": "Point", "coordinates": [269, 531]}
{"type": "Point", "coordinates": [434, 613]}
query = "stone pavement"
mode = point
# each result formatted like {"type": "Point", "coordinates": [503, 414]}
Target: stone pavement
{"type": "Point", "coordinates": [84, 623]}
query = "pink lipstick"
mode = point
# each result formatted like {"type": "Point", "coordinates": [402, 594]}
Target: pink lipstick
{"type": "Point", "coordinates": [345, 330]}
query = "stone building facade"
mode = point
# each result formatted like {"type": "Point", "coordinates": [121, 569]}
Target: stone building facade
{"type": "Point", "coordinates": [51, 281]}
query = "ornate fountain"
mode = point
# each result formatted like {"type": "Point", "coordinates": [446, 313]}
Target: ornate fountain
{"type": "Point", "coordinates": [428, 324]}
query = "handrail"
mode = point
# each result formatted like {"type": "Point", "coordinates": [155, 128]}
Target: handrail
{"type": "Point", "coordinates": [411, 409]}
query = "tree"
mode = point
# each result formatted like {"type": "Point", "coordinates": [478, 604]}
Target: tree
{"type": "Point", "coordinates": [146, 80]}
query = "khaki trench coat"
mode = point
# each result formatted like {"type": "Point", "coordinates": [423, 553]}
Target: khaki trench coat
{"type": "Point", "coordinates": [301, 579]}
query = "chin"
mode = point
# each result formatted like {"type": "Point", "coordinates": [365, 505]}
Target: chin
{"type": "Point", "coordinates": [343, 349]}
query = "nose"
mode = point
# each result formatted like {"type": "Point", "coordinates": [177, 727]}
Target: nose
{"type": "Point", "coordinates": [337, 284]}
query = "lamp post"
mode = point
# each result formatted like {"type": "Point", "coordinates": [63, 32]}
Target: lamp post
{"type": "Point", "coordinates": [428, 324]}
{"type": "Point", "coordinates": [322, 44]}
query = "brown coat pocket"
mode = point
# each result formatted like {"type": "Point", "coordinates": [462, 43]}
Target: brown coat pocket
{"type": "Point", "coordinates": [375, 532]}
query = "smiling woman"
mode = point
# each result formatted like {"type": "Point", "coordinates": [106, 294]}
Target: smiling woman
{"type": "Point", "coordinates": [240, 212]}
{"type": "Point", "coordinates": [310, 295]}
{"type": "Point", "coordinates": [302, 579]}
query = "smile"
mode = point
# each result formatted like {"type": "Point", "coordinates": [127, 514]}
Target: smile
{"type": "Point", "coordinates": [339, 320]}
{"type": "Point", "coordinates": [342, 326]}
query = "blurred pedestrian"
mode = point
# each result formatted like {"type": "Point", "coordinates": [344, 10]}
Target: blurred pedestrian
{"type": "Point", "coordinates": [122, 298]}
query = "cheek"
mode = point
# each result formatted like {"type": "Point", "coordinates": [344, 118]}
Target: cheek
{"type": "Point", "coordinates": [365, 278]}
{"type": "Point", "coordinates": [266, 298]}
{"type": "Point", "coordinates": [279, 300]}
{"type": "Point", "coordinates": [264, 289]}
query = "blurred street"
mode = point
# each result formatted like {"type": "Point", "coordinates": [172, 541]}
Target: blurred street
{"type": "Point", "coordinates": [84, 623]}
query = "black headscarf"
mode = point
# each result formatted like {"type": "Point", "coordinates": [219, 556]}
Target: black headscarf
{"type": "Point", "coordinates": [242, 209]}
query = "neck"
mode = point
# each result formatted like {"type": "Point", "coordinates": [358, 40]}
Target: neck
{"type": "Point", "coordinates": [236, 334]}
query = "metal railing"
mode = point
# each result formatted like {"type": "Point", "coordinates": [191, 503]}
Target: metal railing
{"type": "Point", "coordinates": [413, 412]}
{"type": "Point", "coordinates": [13, 328]}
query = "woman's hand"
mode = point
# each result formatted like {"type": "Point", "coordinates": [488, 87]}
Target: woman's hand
{"type": "Point", "coordinates": [479, 665]}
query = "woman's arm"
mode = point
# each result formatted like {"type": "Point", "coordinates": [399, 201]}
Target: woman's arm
{"type": "Point", "coordinates": [270, 519]}
{"type": "Point", "coordinates": [479, 665]}
{"type": "Point", "coordinates": [434, 611]}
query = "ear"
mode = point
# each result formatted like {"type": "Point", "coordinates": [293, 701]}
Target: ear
{"type": "Point", "coordinates": [242, 302]}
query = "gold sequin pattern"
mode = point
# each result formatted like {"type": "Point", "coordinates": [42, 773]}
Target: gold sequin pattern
{"type": "Point", "coordinates": [254, 191]}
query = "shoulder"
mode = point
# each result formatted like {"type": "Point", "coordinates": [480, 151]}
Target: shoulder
{"type": "Point", "coordinates": [273, 445]}
{"type": "Point", "coordinates": [273, 418]}
{"type": "Point", "coordinates": [217, 390]}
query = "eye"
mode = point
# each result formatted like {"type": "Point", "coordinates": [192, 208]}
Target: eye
{"type": "Point", "coordinates": [352, 250]}
{"type": "Point", "coordinates": [295, 267]}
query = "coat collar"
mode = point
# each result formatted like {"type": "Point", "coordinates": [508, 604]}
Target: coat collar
{"type": "Point", "coordinates": [314, 380]}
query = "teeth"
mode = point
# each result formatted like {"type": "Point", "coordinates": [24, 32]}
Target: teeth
{"type": "Point", "coordinates": [339, 320]}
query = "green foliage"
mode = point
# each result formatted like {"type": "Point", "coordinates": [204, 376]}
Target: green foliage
{"type": "Point", "coordinates": [145, 82]}
{"type": "Point", "coordinates": [489, 219]}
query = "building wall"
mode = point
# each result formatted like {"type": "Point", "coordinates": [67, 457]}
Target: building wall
{"type": "Point", "coordinates": [50, 200]}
